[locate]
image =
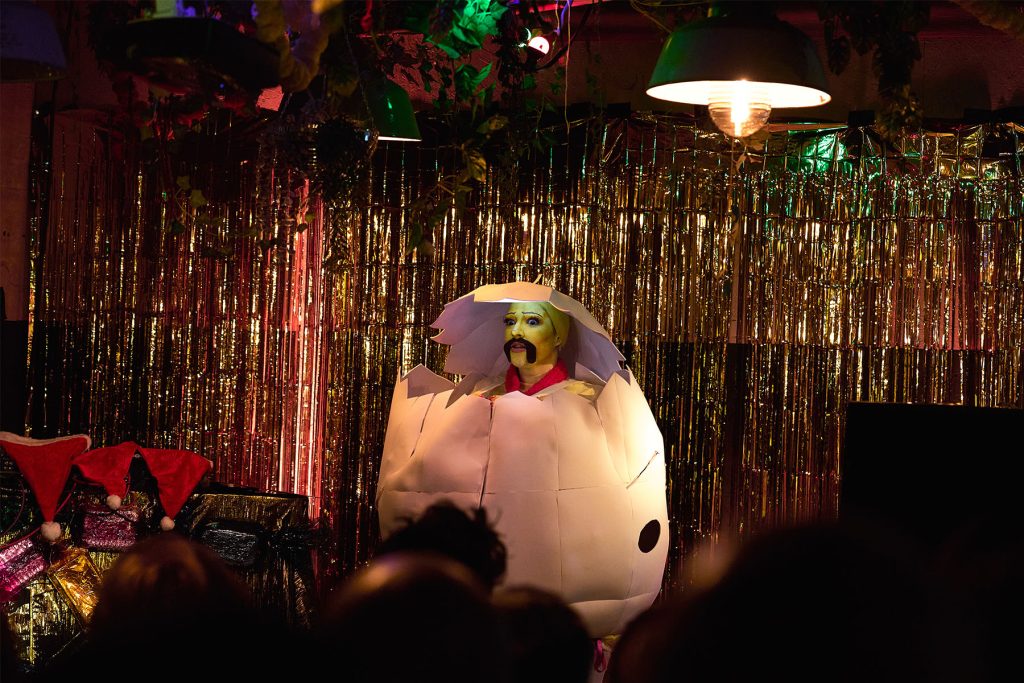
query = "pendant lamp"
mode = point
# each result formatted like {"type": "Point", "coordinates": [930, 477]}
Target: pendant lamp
{"type": "Point", "coordinates": [29, 47]}
{"type": "Point", "coordinates": [391, 110]}
{"type": "Point", "coordinates": [740, 66]}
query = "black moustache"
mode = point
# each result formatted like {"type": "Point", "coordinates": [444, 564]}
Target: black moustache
{"type": "Point", "coordinates": [531, 350]}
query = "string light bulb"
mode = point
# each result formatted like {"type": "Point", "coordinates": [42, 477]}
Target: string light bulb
{"type": "Point", "coordinates": [540, 44]}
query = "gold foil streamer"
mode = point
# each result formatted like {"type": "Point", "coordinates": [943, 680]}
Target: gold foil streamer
{"type": "Point", "coordinates": [41, 622]}
{"type": "Point", "coordinates": [184, 341]}
{"type": "Point", "coordinates": [77, 579]}
{"type": "Point", "coordinates": [753, 292]}
{"type": "Point", "coordinates": [19, 515]}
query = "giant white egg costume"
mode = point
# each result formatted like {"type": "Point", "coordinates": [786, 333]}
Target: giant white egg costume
{"type": "Point", "coordinates": [575, 487]}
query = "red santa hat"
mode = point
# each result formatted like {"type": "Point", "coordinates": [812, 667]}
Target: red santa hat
{"type": "Point", "coordinates": [177, 474]}
{"type": "Point", "coordinates": [108, 467]}
{"type": "Point", "coordinates": [45, 464]}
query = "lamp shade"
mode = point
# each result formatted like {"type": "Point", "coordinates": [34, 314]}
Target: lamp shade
{"type": "Point", "coordinates": [392, 113]}
{"type": "Point", "coordinates": [29, 47]}
{"type": "Point", "coordinates": [707, 56]}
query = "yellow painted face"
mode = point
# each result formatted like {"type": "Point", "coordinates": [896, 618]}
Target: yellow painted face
{"type": "Point", "coordinates": [530, 335]}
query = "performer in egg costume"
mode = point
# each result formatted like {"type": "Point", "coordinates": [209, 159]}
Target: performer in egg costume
{"type": "Point", "coordinates": [534, 333]}
{"type": "Point", "coordinates": [550, 435]}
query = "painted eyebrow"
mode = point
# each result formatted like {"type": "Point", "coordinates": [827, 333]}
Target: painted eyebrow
{"type": "Point", "coordinates": [527, 313]}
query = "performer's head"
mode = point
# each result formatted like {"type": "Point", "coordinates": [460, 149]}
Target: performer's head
{"type": "Point", "coordinates": [534, 331]}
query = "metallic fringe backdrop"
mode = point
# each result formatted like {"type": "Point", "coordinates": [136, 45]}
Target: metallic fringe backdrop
{"type": "Point", "coordinates": [754, 293]}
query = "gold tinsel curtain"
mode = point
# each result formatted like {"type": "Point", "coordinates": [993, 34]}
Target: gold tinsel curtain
{"type": "Point", "coordinates": [753, 292]}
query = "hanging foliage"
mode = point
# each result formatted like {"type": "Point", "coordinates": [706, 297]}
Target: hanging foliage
{"type": "Point", "coordinates": [889, 31]}
{"type": "Point", "coordinates": [465, 61]}
{"type": "Point", "coordinates": [467, 56]}
{"type": "Point", "coordinates": [298, 59]}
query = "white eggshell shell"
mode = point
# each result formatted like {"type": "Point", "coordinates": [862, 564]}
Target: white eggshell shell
{"type": "Point", "coordinates": [568, 483]}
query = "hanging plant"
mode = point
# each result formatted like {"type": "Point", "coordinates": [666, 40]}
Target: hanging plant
{"type": "Point", "coordinates": [889, 31]}
{"type": "Point", "coordinates": [466, 55]}
{"type": "Point", "coordinates": [298, 59]}
{"type": "Point", "coordinates": [329, 149]}
{"type": "Point", "coordinates": [1003, 16]}
{"type": "Point", "coordinates": [440, 46]}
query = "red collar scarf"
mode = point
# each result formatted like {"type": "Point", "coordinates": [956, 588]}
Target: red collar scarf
{"type": "Point", "coordinates": [554, 376]}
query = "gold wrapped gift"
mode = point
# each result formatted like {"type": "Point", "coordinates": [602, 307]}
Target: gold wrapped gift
{"type": "Point", "coordinates": [41, 621]}
{"type": "Point", "coordinates": [77, 578]}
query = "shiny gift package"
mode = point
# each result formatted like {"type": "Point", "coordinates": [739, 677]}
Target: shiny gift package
{"type": "Point", "coordinates": [106, 529]}
{"type": "Point", "coordinates": [77, 579]}
{"type": "Point", "coordinates": [237, 543]}
{"type": "Point", "coordinates": [20, 562]}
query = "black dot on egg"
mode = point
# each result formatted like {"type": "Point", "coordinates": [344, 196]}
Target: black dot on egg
{"type": "Point", "coordinates": [649, 536]}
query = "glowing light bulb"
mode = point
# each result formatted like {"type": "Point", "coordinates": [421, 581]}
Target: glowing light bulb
{"type": "Point", "coordinates": [739, 109]}
{"type": "Point", "coordinates": [540, 44]}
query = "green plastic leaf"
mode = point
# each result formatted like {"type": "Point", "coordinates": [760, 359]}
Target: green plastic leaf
{"type": "Point", "coordinates": [476, 165]}
{"type": "Point", "coordinates": [196, 199]}
{"type": "Point", "coordinates": [415, 237]}
{"type": "Point", "coordinates": [484, 73]}
{"type": "Point", "coordinates": [449, 50]}
{"type": "Point", "coordinates": [496, 122]}
{"type": "Point", "coordinates": [461, 194]}
{"type": "Point", "coordinates": [459, 34]}
{"type": "Point", "coordinates": [472, 24]}
{"type": "Point", "coordinates": [468, 79]}
{"type": "Point", "coordinates": [184, 182]}
{"type": "Point", "coordinates": [465, 77]}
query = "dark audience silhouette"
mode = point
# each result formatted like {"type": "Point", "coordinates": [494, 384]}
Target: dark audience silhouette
{"type": "Point", "coordinates": [829, 602]}
{"type": "Point", "coordinates": [545, 639]}
{"type": "Point", "coordinates": [171, 608]}
{"type": "Point", "coordinates": [412, 617]}
{"type": "Point", "coordinates": [836, 602]}
{"type": "Point", "coordinates": [447, 530]}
